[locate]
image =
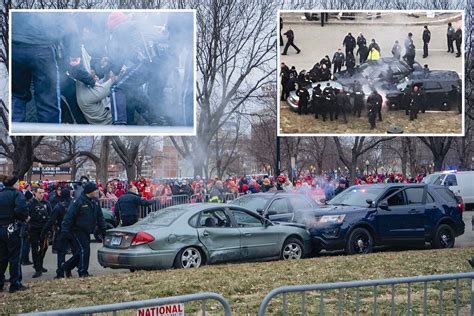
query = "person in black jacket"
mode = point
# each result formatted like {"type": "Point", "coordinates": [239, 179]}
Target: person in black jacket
{"type": "Point", "coordinates": [342, 104]}
{"type": "Point", "coordinates": [316, 100]}
{"type": "Point", "coordinates": [127, 208]}
{"type": "Point", "coordinates": [374, 102]}
{"type": "Point", "coordinates": [416, 102]}
{"type": "Point", "coordinates": [285, 78]}
{"type": "Point", "coordinates": [303, 95]}
{"type": "Point", "coordinates": [81, 218]}
{"type": "Point", "coordinates": [12, 210]}
{"type": "Point", "coordinates": [55, 220]}
{"type": "Point", "coordinates": [40, 211]}
{"type": "Point", "coordinates": [363, 52]}
{"type": "Point", "coordinates": [290, 35]}
{"type": "Point", "coordinates": [361, 41]}
{"type": "Point", "coordinates": [338, 60]}
{"type": "Point", "coordinates": [329, 101]}
{"type": "Point", "coordinates": [426, 40]}
{"type": "Point", "coordinates": [374, 44]}
{"type": "Point", "coordinates": [458, 39]}
{"type": "Point", "coordinates": [358, 98]}
{"type": "Point", "coordinates": [350, 43]}
{"type": "Point", "coordinates": [281, 28]}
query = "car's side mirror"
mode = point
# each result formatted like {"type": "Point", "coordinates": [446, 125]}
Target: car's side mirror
{"type": "Point", "coordinates": [369, 201]}
{"type": "Point", "coordinates": [324, 201]}
{"type": "Point", "coordinates": [260, 211]}
{"type": "Point", "coordinates": [383, 205]}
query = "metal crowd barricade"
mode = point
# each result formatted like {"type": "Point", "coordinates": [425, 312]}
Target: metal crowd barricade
{"type": "Point", "coordinates": [90, 310]}
{"type": "Point", "coordinates": [375, 284]}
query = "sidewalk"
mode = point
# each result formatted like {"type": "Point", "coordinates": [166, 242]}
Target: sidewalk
{"type": "Point", "coordinates": [387, 18]}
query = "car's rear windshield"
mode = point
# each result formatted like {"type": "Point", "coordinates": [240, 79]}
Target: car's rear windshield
{"type": "Point", "coordinates": [356, 196]}
{"type": "Point", "coordinates": [164, 217]}
{"type": "Point", "coordinates": [446, 195]}
{"type": "Point", "coordinates": [252, 202]}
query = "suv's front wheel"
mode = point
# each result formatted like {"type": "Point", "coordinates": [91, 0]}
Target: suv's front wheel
{"type": "Point", "coordinates": [444, 237]}
{"type": "Point", "coordinates": [360, 241]}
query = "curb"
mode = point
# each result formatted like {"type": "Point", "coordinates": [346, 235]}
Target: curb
{"type": "Point", "coordinates": [375, 22]}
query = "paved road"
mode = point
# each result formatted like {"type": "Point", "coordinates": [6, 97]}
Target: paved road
{"type": "Point", "coordinates": [315, 42]}
{"type": "Point", "coordinates": [466, 240]}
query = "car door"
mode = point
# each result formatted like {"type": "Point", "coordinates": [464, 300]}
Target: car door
{"type": "Point", "coordinates": [416, 214]}
{"type": "Point", "coordinates": [298, 203]}
{"type": "Point", "coordinates": [451, 182]}
{"type": "Point", "coordinates": [402, 218]}
{"type": "Point", "coordinates": [258, 240]}
{"type": "Point", "coordinates": [279, 210]}
{"type": "Point", "coordinates": [217, 233]}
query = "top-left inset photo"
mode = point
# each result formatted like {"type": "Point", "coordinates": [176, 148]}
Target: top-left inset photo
{"type": "Point", "coordinates": [102, 72]}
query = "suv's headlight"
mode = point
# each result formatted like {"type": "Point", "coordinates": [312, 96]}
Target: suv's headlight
{"type": "Point", "coordinates": [331, 219]}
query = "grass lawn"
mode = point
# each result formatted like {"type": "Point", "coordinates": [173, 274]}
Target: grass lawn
{"type": "Point", "coordinates": [245, 285]}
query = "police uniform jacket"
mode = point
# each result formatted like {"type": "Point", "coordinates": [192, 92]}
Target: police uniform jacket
{"type": "Point", "coordinates": [83, 215]}
{"type": "Point", "coordinates": [12, 206]}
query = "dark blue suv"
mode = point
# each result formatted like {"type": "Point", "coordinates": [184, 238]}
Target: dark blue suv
{"type": "Point", "coordinates": [365, 216]}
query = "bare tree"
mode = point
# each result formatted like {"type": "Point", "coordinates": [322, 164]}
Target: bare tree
{"type": "Point", "coordinates": [360, 146]}
{"type": "Point", "coordinates": [127, 149]}
{"type": "Point", "coordinates": [235, 58]}
{"type": "Point", "coordinates": [439, 147]}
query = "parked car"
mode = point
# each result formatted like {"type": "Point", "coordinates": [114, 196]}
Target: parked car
{"type": "Point", "coordinates": [460, 182]}
{"type": "Point", "coordinates": [276, 206]}
{"type": "Point", "coordinates": [188, 236]}
{"type": "Point", "coordinates": [366, 216]}
{"type": "Point", "coordinates": [442, 88]}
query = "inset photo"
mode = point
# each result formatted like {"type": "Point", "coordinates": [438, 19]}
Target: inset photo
{"type": "Point", "coordinates": [102, 72]}
{"type": "Point", "coordinates": [371, 73]}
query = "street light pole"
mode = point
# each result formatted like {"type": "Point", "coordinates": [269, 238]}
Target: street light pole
{"type": "Point", "coordinates": [40, 165]}
{"type": "Point", "coordinates": [367, 163]}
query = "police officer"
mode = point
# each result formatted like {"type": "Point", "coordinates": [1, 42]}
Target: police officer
{"type": "Point", "coordinates": [338, 60]}
{"type": "Point", "coordinates": [329, 101]}
{"type": "Point", "coordinates": [350, 43]}
{"type": "Point", "coordinates": [127, 208]}
{"type": "Point", "coordinates": [325, 73]}
{"type": "Point", "coordinates": [281, 28]}
{"type": "Point", "coordinates": [40, 211]}
{"type": "Point", "coordinates": [363, 52]}
{"type": "Point", "coordinates": [450, 37]}
{"type": "Point", "coordinates": [55, 196]}
{"type": "Point", "coordinates": [342, 104]}
{"type": "Point", "coordinates": [426, 40]}
{"type": "Point", "coordinates": [350, 63]}
{"type": "Point", "coordinates": [316, 100]}
{"type": "Point", "coordinates": [55, 220]}
{"type": "Point", "coordinates": [416, 102]}
{"type": "Point", "coordinates": [458, 39]}
{"type": "Point", "coordinates": [12, 210]}
{"type": "Point", "coordinates": [293, 78]}
{"type": "Point", "coordinates": [409, 50]}
{"type": "Point", "coordinates": [303, 95]}
{"type": "Point", "coordinates": [358, 98]}
{"type": "Point", "coordinates": [315, 73]}
{"type": "Point", "coordinates": [374, 44]}
{"type": "Point", "coordinates": [396, 50]}
{"type": "Point", "coordinates": [361, 41]}
{"type": "Point", "coordinates": [374, 103]}
{"type": "Point", "coordinates": [81, 218]}
{"type": "Point", "coordinates": [285, 78]}
{"type": "Point", "coordinates": [290, 35]}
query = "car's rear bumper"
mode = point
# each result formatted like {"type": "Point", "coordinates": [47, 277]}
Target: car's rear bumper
{"type": "Point", "coordinates": [140, 257]}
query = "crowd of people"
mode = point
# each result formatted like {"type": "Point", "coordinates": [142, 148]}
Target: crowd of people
{"type": "Point", "coordinates": [98, 68]}
{"type": "Point", "coordinates": [69, 212]}
{"type": "Point", "coordinates": [326, 100]}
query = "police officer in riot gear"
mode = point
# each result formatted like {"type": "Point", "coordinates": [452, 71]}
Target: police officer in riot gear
{"type": "Point", "coordinates": [374, 102]}
{"type": "Point", "coordinates": [316, 100]}
{"type": "Point", "coordinates": [40, 211]}
{"type": "Point", "coordinates": [303, 95]}
{"type": "Point", "coordinates": [12, 210]}
{"type": "Point", "coordinates": [81, 218]}
{"type": "Point", "coordinates": [55, 220]}
{"type": "Point", "coordinates": [358, 98]}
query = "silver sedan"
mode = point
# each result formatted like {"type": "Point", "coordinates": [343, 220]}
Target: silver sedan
{"type": "Point", "coordinates": [188, 236]}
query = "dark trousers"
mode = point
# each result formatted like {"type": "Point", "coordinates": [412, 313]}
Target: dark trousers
{"type": "Point", "coordinates": [81, 250]}
{"type": "Point", "coordinates": [324, 18]}
{"type": "Point", "coordinates": [129, 220]}
{"type": "Point", "coordinates": [337, 66]}
{"type": "Point", "coordinates": [61, 247]}
{"type": "Point", "coordinates": [68, 91]}
{"type": "Point", "coordinates": [379, 112]}
{"type": "Point", "coordinates": [341, 110]}
{"type": "Point", "coordinates": [38, 248]}
{"type": "Point", "coordinates": [281, 40]}
{"type": "Point", "coordinates": [413, 113]}
{"type": "Point", "coordinates": [372, 116]}
{"type": "Point", "coordinates": [303, 108]}
{"type": "Point", "coordinates": [288, 44]}
{"type": "Point", "coordinates": [458, 48]}
{"type": "Point", "coordinates": [127, 96]}
{"type": "Point", "coordinates": [35, 65]}
{"type": "Point", "coordinates": [357, 109]}
{"type": "Point", "coordinates": [327, 108]}
{"type": "Point", "coordinates": [425, 49]}
{"type": "Point", "coordinates": [25, 251]}
{"type": "Point", "coordinates": [10, 252]}
{"type": "Point", "coordinates": [349, 50]}
{"type": "Point", "coordinates": [450, 44]}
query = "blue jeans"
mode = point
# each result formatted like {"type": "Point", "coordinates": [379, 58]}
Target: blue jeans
{"type": "Point", "coordinates": [37, 65]}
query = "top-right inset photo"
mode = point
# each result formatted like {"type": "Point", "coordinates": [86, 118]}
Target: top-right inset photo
{"type": "Point", "coordinates": [371, 73]}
